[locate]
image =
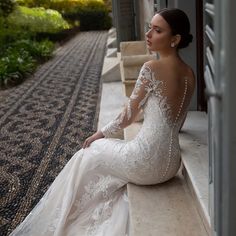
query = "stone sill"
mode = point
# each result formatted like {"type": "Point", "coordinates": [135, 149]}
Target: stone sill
{"type": "Point", "coordinates": [193, 142]}
{"type": "Point", "coordinates": [194, 151]}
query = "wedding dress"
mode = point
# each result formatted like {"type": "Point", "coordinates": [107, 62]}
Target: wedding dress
{"type": "Point", "coordinates": [89, 197]}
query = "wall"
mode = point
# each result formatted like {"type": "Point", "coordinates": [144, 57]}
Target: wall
{"type": "Point", "coordinates": [145, 15]}
{"type": "Point", "coordinates": [189, 54]}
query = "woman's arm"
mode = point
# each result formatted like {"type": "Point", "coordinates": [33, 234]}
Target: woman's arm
{"type": "Point", "coordinates": [135, 103]}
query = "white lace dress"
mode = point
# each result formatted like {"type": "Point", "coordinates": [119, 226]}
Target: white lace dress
{"type": "Point", "coordinates": [89, 197]}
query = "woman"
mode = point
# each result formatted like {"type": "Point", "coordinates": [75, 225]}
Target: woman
{"type": "Point", "coordinates": [88, 196]}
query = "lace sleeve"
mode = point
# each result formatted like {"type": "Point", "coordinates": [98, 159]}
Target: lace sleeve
{"type": "Point", "coordinates": [145, 83]}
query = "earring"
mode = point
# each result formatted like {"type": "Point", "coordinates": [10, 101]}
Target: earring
{"type": "Point", "coordinates": [172, 45]}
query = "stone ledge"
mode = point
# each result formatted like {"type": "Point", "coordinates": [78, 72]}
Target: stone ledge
{"type": "Point", "coordinates": [112, 102]}
{"type": "Point", "coordinates": [193, 142]}
{"type": "Point", "coordinates": [195, 168]}
{"type": "Point", "coordinates": [111, 69]}
{"type": "Point", "coordinates": [163, 210]}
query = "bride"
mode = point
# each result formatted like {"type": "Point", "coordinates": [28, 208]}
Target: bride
{"type": "Point", "coordinates": [88, 197]}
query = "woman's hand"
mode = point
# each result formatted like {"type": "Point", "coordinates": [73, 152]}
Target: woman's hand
{"type": "Point", "coordinates": [92, 138]}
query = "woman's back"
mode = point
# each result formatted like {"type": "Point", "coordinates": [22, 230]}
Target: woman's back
{"type": "Point", "coordinates": [177, 87]}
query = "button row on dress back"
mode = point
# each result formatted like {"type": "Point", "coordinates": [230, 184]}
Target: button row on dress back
{"type": "Point", "coordinates": [171, 138]}
{"type": "Point", "coordinates": [182, 102]}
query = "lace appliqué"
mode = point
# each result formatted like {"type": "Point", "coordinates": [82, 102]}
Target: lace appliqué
{"type": "Point", "coordinates": [99, 188]}
{"type": "Point", "coordinates": [100, 216]}
{"type": "Point", "coordinates": [150, 83]}
{"type": "Point", "coordinates": [146, 81]}
{"type": "Point", "coordinates": [92, 189]}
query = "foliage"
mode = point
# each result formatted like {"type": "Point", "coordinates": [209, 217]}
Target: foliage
{"type": "Point", "coordinates": [37, 20]}
{"type": "Point", "coordinates": [20, 59]}
{"type": "Point", "coordinates": [7, 33]}
{"type": "Point", "coordinates": [6, 7]}
{"type": "Point", "coordinates": [32, 3]}
{"type": "Point", "coordinates": [15, 65]}
{"type": "Point", "coordinates": [95, 16]}
{"type": "Point", "coordinates": [92, 14]}
{"type": "Point", "coordinates": [108, 4]}
{"type": "Point", "coordinates": [39, 50]}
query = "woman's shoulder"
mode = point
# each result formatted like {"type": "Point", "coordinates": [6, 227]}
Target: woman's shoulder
{"type": "Point", "coordinates": [163, 70]}
{"type": "Point", "coordinates": [152, 64]}
{"type": "Point", "coordinates": [156, 68]}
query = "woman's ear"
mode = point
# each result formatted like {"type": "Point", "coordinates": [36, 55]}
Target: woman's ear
{"type": "Point", "coordinates": [177, 39]}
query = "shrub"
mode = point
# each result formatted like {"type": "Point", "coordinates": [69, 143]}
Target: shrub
{"type": "Point", "coordinates": [37, 20]}
{"type": "Point", "coordinates": [38, 50]}
{"type": "Point", "coordinates": [20, 59]}
{"type": "Point", "coordinates": [15, 65]}
{"type": "Point", "coordinates": [33, 3]}
{"type": "Point", "coordinates": [6, 7]}
{"type": "Point", "coordinates": [89, 14]}
{"type": "Point", "coordinates": [93, 15]}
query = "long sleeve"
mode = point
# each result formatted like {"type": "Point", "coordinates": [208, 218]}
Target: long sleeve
{"type": "Point", "coordinates": [145, 84]}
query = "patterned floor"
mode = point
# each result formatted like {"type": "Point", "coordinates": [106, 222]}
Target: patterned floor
{"type": "Point", "coordinates": [44, 121]}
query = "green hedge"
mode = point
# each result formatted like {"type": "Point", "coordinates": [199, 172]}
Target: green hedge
{"type": "Point", "coordinates": [94, 16]}
{"type": "Point", "coordinates": [38, 20]}
{"type": "Point", "coordinates": [89, 14]}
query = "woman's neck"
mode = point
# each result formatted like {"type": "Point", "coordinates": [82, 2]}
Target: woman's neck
{"type": "Point", "coordinates": [169, 54]}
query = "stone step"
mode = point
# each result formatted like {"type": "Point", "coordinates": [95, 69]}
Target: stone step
{"type": "Point", "coordinates": [112, 33]}
{"type": "Point", "coordinates": [164, 210]}
{"type": "Point", "coordinates": [193, 142]}
{"type": "Point", "coordinates": [112, 102]}
{"type": "Point", "coordinates": [111, 42]}
{"type": "Point", "coordinates": [192, 188]}
{"type": "Point", "coordinates": [111, 69]}
{"type": "Point", "coordinates": [111, 52]}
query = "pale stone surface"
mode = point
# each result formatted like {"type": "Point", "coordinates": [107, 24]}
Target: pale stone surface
{"type": "Point", "coordinates": [133, 55]}
{"type": "Point", "coordinates": [111, 69]}
{"type": "Point", "coordinates": [111, 42]}
{"type": "Point", "coordinates": [131, 131]}
{"type": "Point", "coordinates": [111, 52]}
{"type": "Point", "coordinates": [137, 59]}
{"type": "Point", "coordinates": [193, 141]}
{"type": "Point", "coordinates": [164, 210]}
{"type": "Point", "coordinates": [112, 32]}
{"type": "Point", "coordinates": [132, 65]}
{"type": "Point", "coordinates": [128, 87]}
{"type": "Point", "coordinates": [112, 102]}
{"type": "Point", "coordinates": [133, 48]}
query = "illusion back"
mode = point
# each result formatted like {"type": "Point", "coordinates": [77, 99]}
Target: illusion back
{"type": "Point", "coordinates": [164, 109]}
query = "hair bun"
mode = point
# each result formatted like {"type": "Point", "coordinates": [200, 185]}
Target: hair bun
{"type": "Point", "coordinates": [189, 38]}
{"type": "Point", "coordinates": [185, 40]}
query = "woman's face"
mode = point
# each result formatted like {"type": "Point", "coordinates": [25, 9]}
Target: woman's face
{"type": "Point", "coordinates": [159, 36]}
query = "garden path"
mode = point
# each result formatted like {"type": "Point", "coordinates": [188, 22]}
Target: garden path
{"type": "Point", "coordinates": [45, 120]}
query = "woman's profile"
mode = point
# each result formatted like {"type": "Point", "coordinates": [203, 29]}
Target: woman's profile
{"type": "Point", "coordinates": [88, 197]}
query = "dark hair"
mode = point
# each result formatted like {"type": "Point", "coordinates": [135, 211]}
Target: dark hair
{"type": "Point", "coordinates": [179, 24]}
